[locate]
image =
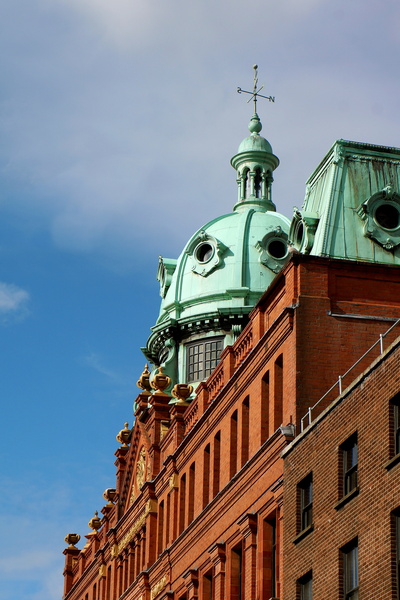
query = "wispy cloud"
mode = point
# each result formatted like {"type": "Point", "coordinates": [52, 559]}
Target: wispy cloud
{"type": "Point", "coordinates": [13, 302]}
{"type": "Point", "coordinates": [95, 361]}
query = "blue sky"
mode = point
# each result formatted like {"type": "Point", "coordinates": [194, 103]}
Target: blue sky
{"type": "Point", "coordinates": [117, 123]}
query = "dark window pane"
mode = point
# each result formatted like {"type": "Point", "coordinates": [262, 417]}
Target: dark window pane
{"type": "Point", "coordinates": [350, 567]}
{"type": "Point", "coordinates": [202, 357]}
{"type": "Point", "coordinates": [350, 465]}
{"type": "Point", "coordinates": [305, 585]}
{"type": "Point", "coordinates": [306, 499]}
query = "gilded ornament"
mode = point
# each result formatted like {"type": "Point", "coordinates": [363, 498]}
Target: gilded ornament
{"type": "Point", "coordinates": [160, 585]}
{"type": "Point", "coordinates": [102, 571]}
{"type": "Point", "coordinates": [160, 382]}
{"type": "Point", "coordinates": [95, 522]}
{"type": "Point", "coordinates": [173, 481]}
{"type": "Point", "coordinates": [151, 507]}
{"type": "Point", "coordinates": [109, 495]}
{"type": "Point", "coordinates": [182, 391]}
{"type": "Point", "coordinates": [72, 539]}
{"type": "Point", "coordinates": [144, 380]}
{"type": "Point", "coordinates": [141, 468]}
{"type": "Point", "coordinates": [124, 436]}
{"type": "Point", "coordinates": [164, 426]}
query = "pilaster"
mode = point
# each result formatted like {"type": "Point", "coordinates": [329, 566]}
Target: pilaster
{"type": "Point", "coordinates": [248, 528]}
{"type": "Point", "coordinates": [191, 578]}
{"type": "Point", "coordinates": [218, 558]}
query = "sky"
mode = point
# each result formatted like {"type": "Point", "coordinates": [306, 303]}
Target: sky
{"type": "Point", "coordinates": [117, 124]}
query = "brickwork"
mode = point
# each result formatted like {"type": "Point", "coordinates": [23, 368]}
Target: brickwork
{"type": "Point", "coordinates": [199, 492]}
{"type": "Point", "coordinates": [366, 513]}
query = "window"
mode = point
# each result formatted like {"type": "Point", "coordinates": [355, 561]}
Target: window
{"type": "Point", "coordinates": [305, 587]}
{"type": "Point", "coordinates": [350, 464]}
{"type": "Point", "coordinates": [182, 500]}
{"type": "Point", "coordinates": [305, 489]}
{"type": "Point", "coordinates": [236, 574]}
{"type": "Point", "coordinates": [278, 392]}
{"type": "Point", "coordinates": [264, 421]}
{"type": "Point", "coordinates": [350, 571]}
{"type": "Point", "coordinates": [160, 544]}
{"type": "Point", "coordinates": [192, 488]}
{"type": "Point", "coordinates": [257, 183]}
{"type": "Point", "coordinates": [395, 419]}
{"type": "Point", "coordinates": [206, 475]}
{"type": "Point", "coordinates": [233, 441]}
{"type": "Point", "coordinates": [202, 357]}
{"type": "Point", "coordinates": [245, 437]}
{"type": "Point", "coordinates": [208, 586]}
{"type": "Point", "coordinates": [216, 463]}
{"type": "Point", "coordinates": [269, 558]}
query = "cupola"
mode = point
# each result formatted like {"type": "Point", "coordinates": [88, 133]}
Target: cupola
{"type": "Point", "coordinates": [254, 164]}
{"type": "Point", "coordinates": [209, 291]}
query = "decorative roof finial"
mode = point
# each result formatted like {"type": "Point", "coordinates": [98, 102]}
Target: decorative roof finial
{"type": "Point", "coordinates": [256, 92]}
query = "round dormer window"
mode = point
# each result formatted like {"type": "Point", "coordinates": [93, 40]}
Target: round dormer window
{"type": "Point", "coordinates": [277, 249]}
{"type": "Point", "coordinates": [387, 216]}
{"type": "Point", "coordinates": [204, 252]}
{"type": "Point", "coordinates": [299, 235]}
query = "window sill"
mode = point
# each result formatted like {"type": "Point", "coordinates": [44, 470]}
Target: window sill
{"type": "Point", "coordinates": [392, 462]}
{"type": "Point", "coordinates": [303, 533]}
{"type": "Point", "coordinates": [347, 498]}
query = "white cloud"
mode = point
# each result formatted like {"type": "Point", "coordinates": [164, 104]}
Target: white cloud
{"type": "Point", "coordinates": [95, 361]}
{"type": "Point", "coordinates": [13, 300]}
{"type": "Point", "coordinates": [120, 117]}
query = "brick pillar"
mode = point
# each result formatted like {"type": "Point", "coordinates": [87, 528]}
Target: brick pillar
{"type": "Point", "coordinates": [248, 528]}
{"type": "Point", "coordinates": [218, 558]}
{"type": "Point", "coordinates": [176, 412]}
{"type": "Point", "coordinates": [71, 556]}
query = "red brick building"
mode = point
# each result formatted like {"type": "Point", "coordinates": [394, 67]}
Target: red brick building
{"type": "Point", "coordinates": [199, 502]}
{"type": "Point", "coordinates": [342, 492]}
{"type": "Point", "coordinates": [223, 489]}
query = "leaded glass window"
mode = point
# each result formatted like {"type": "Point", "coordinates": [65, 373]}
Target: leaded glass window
{"type": "Point", "coordinates": [202, 357]}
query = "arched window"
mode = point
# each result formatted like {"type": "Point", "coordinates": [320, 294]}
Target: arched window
{"type": "Point", "coordinates": [257, 183]}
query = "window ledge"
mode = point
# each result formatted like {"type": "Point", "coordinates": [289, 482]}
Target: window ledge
{"type": "Point", "coordinates": [303, 533]}
{"type": "Point", "coordinates": [393, 461]}
{"type": "Point", "coordinates": [347, 498]}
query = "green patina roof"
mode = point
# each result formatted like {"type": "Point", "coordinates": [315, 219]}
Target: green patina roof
{"type": "Point", "coordinates": [352, 205]}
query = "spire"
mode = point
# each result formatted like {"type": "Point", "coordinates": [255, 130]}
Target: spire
{"type": "Point", "coordinates": [255, 161]}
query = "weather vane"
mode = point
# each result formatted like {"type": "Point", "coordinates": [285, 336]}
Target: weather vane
{"type": "Point", "coordinates": [256, 92]}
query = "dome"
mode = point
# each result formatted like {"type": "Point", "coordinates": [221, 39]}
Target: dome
{"type": "Point", "coordinates": [209, 291]}
{"type": "Point", "coordinates": [229, 262]}
{"type": "Point", "coordinates": [255, 142]}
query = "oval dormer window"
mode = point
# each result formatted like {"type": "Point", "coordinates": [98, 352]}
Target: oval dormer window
{"type": "Point", "coordinates": [277, 249]}
{"type": "Point", "coordinates": [204, 252]}
{"type": "Point", "coordinates": [387, 216]}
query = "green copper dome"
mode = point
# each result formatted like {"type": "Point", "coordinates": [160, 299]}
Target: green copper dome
{"type": "Point", "coordinates": [208, 292]}
{"type": "Point", "coordinates": [255, 142]}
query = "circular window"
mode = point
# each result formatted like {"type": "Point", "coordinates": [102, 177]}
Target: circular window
{"type": "Point", "coordinates": [204, 252]}
{"type": "Point", "coordinates": [277, 249]}
{"type": "Point", "coordinates": [299, 234]}
{"type": "Point", "coordinates": [387, 216]}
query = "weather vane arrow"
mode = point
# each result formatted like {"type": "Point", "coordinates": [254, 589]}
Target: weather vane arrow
{"type": "Point", "coordinates": [256, 92]}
